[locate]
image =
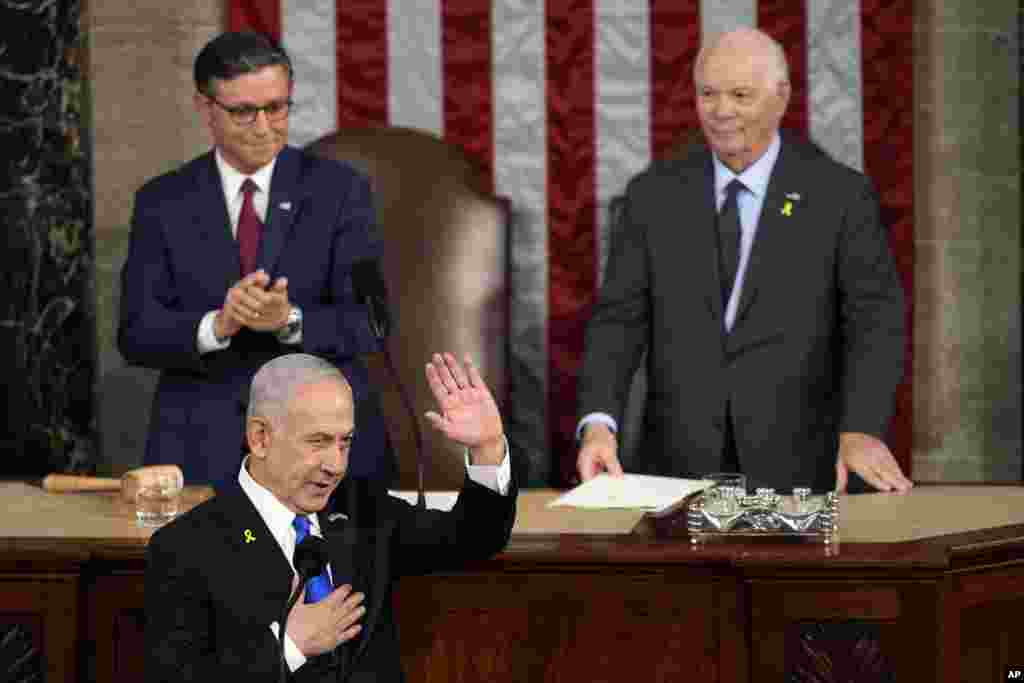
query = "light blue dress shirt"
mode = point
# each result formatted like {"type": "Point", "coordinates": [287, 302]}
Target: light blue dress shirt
{"type": "Point", "coordinates": [749, 200]}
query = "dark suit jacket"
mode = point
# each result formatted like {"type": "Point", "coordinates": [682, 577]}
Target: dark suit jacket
{"type": "Point", "coordinates": [211, 596]}
{"type": "Point", "coordinates": [182, 260]}
{"type": "Point", "coordinates": [817, 344]}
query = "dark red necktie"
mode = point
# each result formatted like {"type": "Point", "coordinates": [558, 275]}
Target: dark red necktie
{"type": "Point", "coordinates": [249, 229]}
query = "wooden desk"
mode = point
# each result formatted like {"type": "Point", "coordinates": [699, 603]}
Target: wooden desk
{"type": "Point", "coordinates": [928, 586]}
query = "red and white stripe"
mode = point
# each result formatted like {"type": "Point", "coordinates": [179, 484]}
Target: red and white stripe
{"type": "Point", "coordinates": [561, 102]}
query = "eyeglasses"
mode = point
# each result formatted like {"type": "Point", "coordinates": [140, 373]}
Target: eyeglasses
{"type": "Point", "coordinates": [246, 114]}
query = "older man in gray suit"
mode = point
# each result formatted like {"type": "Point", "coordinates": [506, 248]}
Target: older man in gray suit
{"type": "Point", "coordinates": [757, 275]}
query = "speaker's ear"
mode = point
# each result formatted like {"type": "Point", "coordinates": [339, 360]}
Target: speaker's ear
{"type": "Point", "coordinates": [257, 436]}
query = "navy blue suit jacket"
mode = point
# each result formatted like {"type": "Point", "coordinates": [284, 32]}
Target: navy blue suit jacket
{"type": "Point", "coordinates": [183, 258]}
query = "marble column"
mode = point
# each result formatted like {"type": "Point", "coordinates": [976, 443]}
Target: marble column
{"type": "Point", "coordinates": [967, 170]}
{"type": "Point", "coordinates": [47, 320]}
{"type": "Point", "coordinates": [142, 52]}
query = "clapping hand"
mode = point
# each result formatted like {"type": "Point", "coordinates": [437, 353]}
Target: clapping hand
{"type": "Point", "coordinates": [254, 303]}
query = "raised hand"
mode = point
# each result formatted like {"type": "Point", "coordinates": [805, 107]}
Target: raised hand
{"type": "Point", "coordinates": [467, 411]}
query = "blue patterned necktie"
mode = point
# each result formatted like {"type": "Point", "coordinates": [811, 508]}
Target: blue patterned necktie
{"type": "Point", "coordinates": [318, 587]}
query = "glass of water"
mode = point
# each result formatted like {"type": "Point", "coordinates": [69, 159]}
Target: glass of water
{"type": "Point", "coordinates": [157, 501]}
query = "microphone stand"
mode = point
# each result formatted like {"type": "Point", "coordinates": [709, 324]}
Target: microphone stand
{"type": "Point", "coordinates": [374, 305]}
{"type": "Point", "coordinates": [421, 498]}
{"type": "Point", "coordinates": [310, 560]}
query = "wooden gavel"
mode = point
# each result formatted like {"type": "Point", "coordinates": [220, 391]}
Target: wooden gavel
{"type": "Point", "coordinates": [129, 484]}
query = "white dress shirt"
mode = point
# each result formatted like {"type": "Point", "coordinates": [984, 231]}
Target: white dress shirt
{"type": "Point", "coordinates": [231, 183]}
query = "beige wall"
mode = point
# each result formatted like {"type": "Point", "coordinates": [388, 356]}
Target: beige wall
{"type": "Point", "coordinates": [967, 183]}
{"type": "Point", "coordinates": [141, 54]}
{"type": "Point", "coordinates": [967, 388]}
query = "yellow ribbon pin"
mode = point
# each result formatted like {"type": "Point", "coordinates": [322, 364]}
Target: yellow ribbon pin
{"type": "Point", "coordinates": [787, 208]}
{"type": "Point", "coordinates": [249, 536]}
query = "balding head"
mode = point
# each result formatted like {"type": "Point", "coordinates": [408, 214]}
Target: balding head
{"type": "Point", "coordinates": [300, 428]}
{"type": "Point", "coordinates": [749, 43]}
{"type": "Point", "coordinates": [277, 382]}
{"type": "Point", "coordinates": [743, 88]}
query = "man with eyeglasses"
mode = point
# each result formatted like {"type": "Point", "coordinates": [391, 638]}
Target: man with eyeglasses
{"type": "Point", "coordinates": [239, 256]}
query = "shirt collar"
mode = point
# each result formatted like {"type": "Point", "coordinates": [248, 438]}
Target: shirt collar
{"type": "Point", "coordinates": [755, 177]}
{"type": "Point", "coordinates": [274, 513]}
{"type": "Point", "coordinates": [232, 178]}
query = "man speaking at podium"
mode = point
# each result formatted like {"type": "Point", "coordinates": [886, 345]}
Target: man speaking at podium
{"type": "Point", "coordinates": [757, 275]}
{"type": "Point", "coordinates": [218, 578]}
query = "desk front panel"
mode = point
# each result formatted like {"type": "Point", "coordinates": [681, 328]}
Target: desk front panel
{"type": "Point", "coordinates": [630, 624]}
{"type": "Point", "coordinates": [579, 606]}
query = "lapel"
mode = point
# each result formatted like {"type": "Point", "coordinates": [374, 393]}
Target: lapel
{"type": "Point", "coordinates": [285, 205]}
{"type": "Point", "coordinates": [217, 248]}
{"type": "Point", "coordinates": [778, 234]}
{"type": "Point", "coordinates": [358, 547]}
{"type": "Point", "coordinates": [708, 238]}
{"type": "Point", "coordinates": [698, 199]}
{"type": "Point", "coordinates": [248, 539]}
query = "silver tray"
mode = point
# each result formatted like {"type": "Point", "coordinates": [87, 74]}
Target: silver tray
{"type": "Point", "coordinates": [725, 512]}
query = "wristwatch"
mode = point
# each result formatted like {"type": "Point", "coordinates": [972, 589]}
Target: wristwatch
{"type": "Point", "coordinates": [292, 326]}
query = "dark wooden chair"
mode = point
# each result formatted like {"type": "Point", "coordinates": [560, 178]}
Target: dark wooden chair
{"type": "Point", "coordinates": [446, 269]}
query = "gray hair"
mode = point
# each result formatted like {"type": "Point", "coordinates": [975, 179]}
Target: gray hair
{"type": "Point", "coordinates": [766, 47]}
{"type": "Point", "coordinates": [276, 383]}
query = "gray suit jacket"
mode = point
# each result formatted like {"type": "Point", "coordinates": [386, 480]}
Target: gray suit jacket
{"type": "Point", "coordinates": [818, 341]}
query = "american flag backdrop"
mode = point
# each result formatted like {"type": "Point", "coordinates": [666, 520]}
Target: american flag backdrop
{"type": "Point", "coordinates": [561, 102]}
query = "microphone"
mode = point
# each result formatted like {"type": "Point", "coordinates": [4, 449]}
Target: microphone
{"type": "Point", "coordinates": [372, 292]}
{"type": "Point", "coordinates": [310, 560]}
{"type": "Point", "coordinates": [310, 557]}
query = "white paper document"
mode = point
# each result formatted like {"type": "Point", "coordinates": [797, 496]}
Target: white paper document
{"type": "Point", "coordinates": [635, 491]}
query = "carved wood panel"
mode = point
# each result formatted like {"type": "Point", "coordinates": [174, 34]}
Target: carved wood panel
{"type": "Point", "coordinates": [558, 627]}
{"type": "Point", "coordinates": [39, 619]}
